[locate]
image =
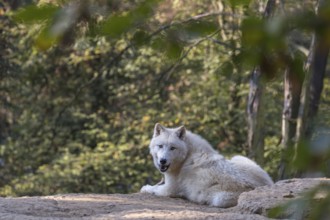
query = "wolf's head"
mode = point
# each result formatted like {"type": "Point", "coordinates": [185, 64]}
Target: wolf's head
{"type": "Point", "coordinates": [168, 147]}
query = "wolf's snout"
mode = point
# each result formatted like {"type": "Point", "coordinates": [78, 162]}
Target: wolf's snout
{"type": "Point", "coordinates": [163, 165]}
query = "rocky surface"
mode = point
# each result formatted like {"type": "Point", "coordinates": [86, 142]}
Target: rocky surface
{"type": "Point", "coordinates": [251, 205]}
{"type": "Point", "coordinates": [263, 199]}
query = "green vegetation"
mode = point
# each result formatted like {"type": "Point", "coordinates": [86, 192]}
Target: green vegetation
{"type": "Point", "coordinates": [82, 86]}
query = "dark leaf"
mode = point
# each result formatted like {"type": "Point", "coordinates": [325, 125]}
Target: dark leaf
{"type": "Point", "coordinates": [144, 10]}
{"type": "Point", "coordinates": [139, 37]}
{"type": "Point", "coordinates": [158, 43]}
{"type": "Point", "coordinates": [252, 31]}
{"type": "Point", "coordinates": [173, 50]}
{"type": "Point", "coordinates": [201, 27]}
{"type": "Point", "coordinates": [239, 2]}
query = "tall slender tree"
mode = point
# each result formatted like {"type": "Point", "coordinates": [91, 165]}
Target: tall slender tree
{"type": "Point", "coordinates": [255, 110]}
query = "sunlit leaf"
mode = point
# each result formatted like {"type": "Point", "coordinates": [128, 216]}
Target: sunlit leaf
{"type": "Point", "coordinates": [45, 40]}
{"type": "Point", "coordinates": [34, 13]}
{"type": "Point", "coordinates": [115, 25]}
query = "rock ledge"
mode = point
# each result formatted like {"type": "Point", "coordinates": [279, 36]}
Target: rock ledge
{"type": "Point", "coordinates": [251, 205]}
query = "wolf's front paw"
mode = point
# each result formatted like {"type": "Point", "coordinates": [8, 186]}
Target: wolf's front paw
{"type": "Point", "coordinates": [147, 189]}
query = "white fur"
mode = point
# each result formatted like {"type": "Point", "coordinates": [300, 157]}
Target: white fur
{"type": "Point", "coordinates": [197, 172]}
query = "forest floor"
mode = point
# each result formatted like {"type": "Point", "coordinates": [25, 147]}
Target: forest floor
{"type": "Point", "coordinates": [251, 205]}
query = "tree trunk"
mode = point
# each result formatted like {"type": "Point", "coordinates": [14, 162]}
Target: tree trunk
{"type": "Point", "coordinates": [255, 109]}
{"type": "Point", "coordinates": [312, 87]}
{"type": "Point", "coordinates": [255, 117]}
{"type": "Point", "coordinates": [318, 69]}
{"type": "Point", "coordinates": [292, 91]}
{"type": "Point", "coordinates": [313, 84]}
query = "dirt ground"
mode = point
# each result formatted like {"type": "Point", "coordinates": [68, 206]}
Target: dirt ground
{"type": "Point", "coordinates": [115, 206]}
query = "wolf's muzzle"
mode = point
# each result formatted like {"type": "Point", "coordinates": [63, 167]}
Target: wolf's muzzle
{"type": "Point", "coordinates": [163, 168]}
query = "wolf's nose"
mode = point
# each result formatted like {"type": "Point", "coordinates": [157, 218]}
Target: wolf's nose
{"type": "Point", "coordinates": [162, 161]}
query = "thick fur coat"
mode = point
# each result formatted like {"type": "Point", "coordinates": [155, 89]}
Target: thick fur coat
{"type": "Point", "coordinates": [194, 170]}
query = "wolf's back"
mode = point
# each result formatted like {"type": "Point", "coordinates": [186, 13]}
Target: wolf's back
{"type": "Point", "coordinates": [251, 171]}
{"type": "Point", "coordinates": [197, 143]}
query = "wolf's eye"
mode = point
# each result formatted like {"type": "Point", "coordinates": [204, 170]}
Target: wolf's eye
{"type": "Point", "coordinates": [160, 146]}
{"type": "Point", "coordinates": [172, 148]}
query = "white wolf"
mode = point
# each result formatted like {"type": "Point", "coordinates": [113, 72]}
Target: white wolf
{"type": "Point", "coordinates": [194, 170]}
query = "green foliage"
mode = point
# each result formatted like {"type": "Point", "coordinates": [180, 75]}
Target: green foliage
{"type": "Point", "coordinates": [264, 44]}
{"type": "Point", "coordinates": [83, 170]}
{"type": "Point", "coordinates": [95, 104]}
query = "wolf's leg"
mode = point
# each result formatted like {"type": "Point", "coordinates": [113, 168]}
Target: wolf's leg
{"type": "Point", "coordinates": [223, 199]}
{"type": "Point", "coordinates": [158, 190]}
{"type": "Point", "coordinates": [162, 181]}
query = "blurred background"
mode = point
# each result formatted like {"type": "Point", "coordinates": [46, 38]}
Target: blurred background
{"type": "Point", "coordinates": [82, 84]}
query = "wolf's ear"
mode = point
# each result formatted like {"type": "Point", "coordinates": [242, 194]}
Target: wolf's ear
{"type": "Point", "coordinates": [158, 129]}
{"type": "Point", "coordinates": [181, 132]}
